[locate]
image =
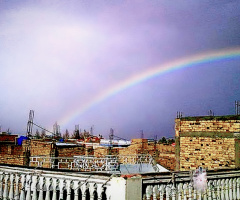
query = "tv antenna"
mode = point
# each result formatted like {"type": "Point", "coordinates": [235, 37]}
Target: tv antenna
{"type": "Point", "coordinates": [30, 123]}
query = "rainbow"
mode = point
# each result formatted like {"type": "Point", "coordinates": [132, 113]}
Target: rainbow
{"type": "Point", "coordinates": [187, 62]}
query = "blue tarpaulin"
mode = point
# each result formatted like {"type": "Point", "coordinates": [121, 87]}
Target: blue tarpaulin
{"type": "Point", "coordinates": [20, 139]}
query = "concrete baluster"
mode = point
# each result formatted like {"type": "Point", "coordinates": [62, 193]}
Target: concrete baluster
{"type": "Point", "coordinates": [222, 189]}
{"type": "Point", "coordinates": [205, 194]}
{"type": "Point", "coordinates": [108, 193]}
{"type": "Point", "coordinates": [1, 185]}
{"type": "Point", "coordinates": [76, 189]}
{"type": "Point", "coordinates": [148, 192]}
{"type": "Point", "coordinates": [11, 193]}
{"type": "Point", "coordinates": [92, 188]}
{"type": "Point", "coordinates": [48, 183]}
{"type": "Point", "coordinates": [29, 182]}
{"type": "Point", "coordinates": [238, 188]}
{"type": "Point", "coordinates": [54, 186]}
{"type": "Point", "coordinates": [5, 192]}
{"type": "Point", "coordinates": [173, 192]}
{"type": "Point", "coordinates": [155, 192]}
{"type": "Point", "coordinates": [161, 192]}
{"type": "Point", "coordinates": [185, 187]}
{"type": "Point", "coordinates": [213, 189]}
{"type": "Point", "coordinates": [234, 189]}
{"type": "Point", "coordinates": [194, 193]}
{"type": "Point", "coordinates": [34, 187]}
{"type": "Point", "coordinates": [218, 184]}
{"type": "Point", "coordinates": [68, 188]}
{"type": "Point", "coordinates": [227, 189]}
{"type": "Point", "coordinates": [84, 190]}
{"type": "Point", "coordinates": [230, 189]}
{"type": "Point", "coordinates": [190, 188]}
{"type": "Point", "coordinates": [179, 191]}
{"type": "Point", "coordinates": [100, 190]}
{"type": "Point", "coordinates": [62, 186]}
{"type": "Point", "coordinates": [16, 194]}
{"type": "Point", "coordinates": [168, 191]}
{"type": "Point", "coordinates": [41, 187]}
{"type": "Point", "coordinates": [23, 182]}
{"type": "Point", "coordinates": [209, 187]}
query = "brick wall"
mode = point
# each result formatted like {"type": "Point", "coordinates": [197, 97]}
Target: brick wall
{"type": "Point", "coordinates": [42, 148]}
{"type": "Point", "coordinates": [209, 142]}
{"type": "Point", "coordinates": [11, 154]}
{"type": "Point", "coordinates": [164, 154]}
{"type": "Point", "coordinates": [207, 152]}
{"type": "Point", "coordinates": [70, 151]}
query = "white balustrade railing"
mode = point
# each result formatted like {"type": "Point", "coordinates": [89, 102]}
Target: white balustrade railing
{"type": "Point", "coordinates": [34, 184]}
{"type": "Point", "coordinates": [89, 163]}
{"type": "Point", "coordinates": [180, 186]}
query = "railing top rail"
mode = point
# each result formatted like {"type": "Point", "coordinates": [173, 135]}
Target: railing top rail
{"type": "Point", "coordinates": [167, 177]}
{"type": "Point", "coordinates": [53, 173]}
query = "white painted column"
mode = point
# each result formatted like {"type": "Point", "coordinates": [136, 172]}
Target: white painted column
{"type": "Point", "coordinates": [62, 185]}
{"type": "Point", "coordinates": [230, 189]}
{"type": "Point", "coordinates": [155, 192]}
{"type": "Point", "coordinates": [92, 188]}
{"type": "Point", "coordinates": [218, 184]}
{"type": "Point", "coordinates": [168, 190]}
{"type": "Point", "coordinates": [1, 185]}
{"type": "Point", "coordinates": [16, 194]}
{"type": "Point", "coordinates": [223, 189]}
{"type": "Point", "coordinates": [48, 182]}
{"type": "Point", "coordinates": [11, 194]}
{"type": "Point", "coordinates": [234, 189]}
{"type": "Point", "coordinates": [238, 188]}
{"type": "Point", "coordinates": [54, 186]}
{"type": "Point", "coordinates": [180, 191]}
{"type": "Point", "coordinates": [68, 187]}
{"type": "Point", "coordinates": [209, 190]}
{"type": "Point", "coordinates": [76, 189]}
{"type": "Point", "coordinates": [84, 189]}
{"type": "Point", "coordinates": [185, 191]}
{"type": "Point", "coordinates": [173, 192]}
{"type": "Point", "coordinates": [23, 183]}
{"type": "Point", "coordinates": [5, 192]}
{"type": "Point", "coordinates": [34, 187]}
{"type": "Point", "coordinates": [190, 188]}
{"type": "Point", "coordinates": [100, 190]}
{"type": "Point", "coordinates": [41, 187]}
{"type": "Point", "coordinates": [161, 192]}
{"type": "Point", "coordinates": [29, 182]}
{"type": "Point", "coordinates": [214, 185]}
{"type": "Point", "coordinates": [227, 188]}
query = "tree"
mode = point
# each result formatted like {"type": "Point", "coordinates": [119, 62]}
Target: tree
{"type": "Point", "coordinates": [43, 134]}
{"type": "Point", "coordinates": [163, 140]}
{"type": "Point", "coordinates": [37, 134]}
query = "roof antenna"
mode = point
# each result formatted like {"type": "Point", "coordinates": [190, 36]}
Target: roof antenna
{"type": "Point", "coordinates": [30, 123]}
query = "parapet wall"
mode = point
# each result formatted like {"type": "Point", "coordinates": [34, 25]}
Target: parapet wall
{"type": "Point", "coordinates": [209, 142]}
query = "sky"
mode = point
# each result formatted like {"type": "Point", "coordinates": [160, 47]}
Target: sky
{"type": "Point", "coordinates": [68, 60]}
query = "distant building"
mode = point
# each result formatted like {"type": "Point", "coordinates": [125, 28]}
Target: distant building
{"type": "Point", "coordinates": [210, 142]}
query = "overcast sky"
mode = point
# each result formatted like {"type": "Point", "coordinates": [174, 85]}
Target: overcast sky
{"type": "Point", "coordinates": [58, 56]}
